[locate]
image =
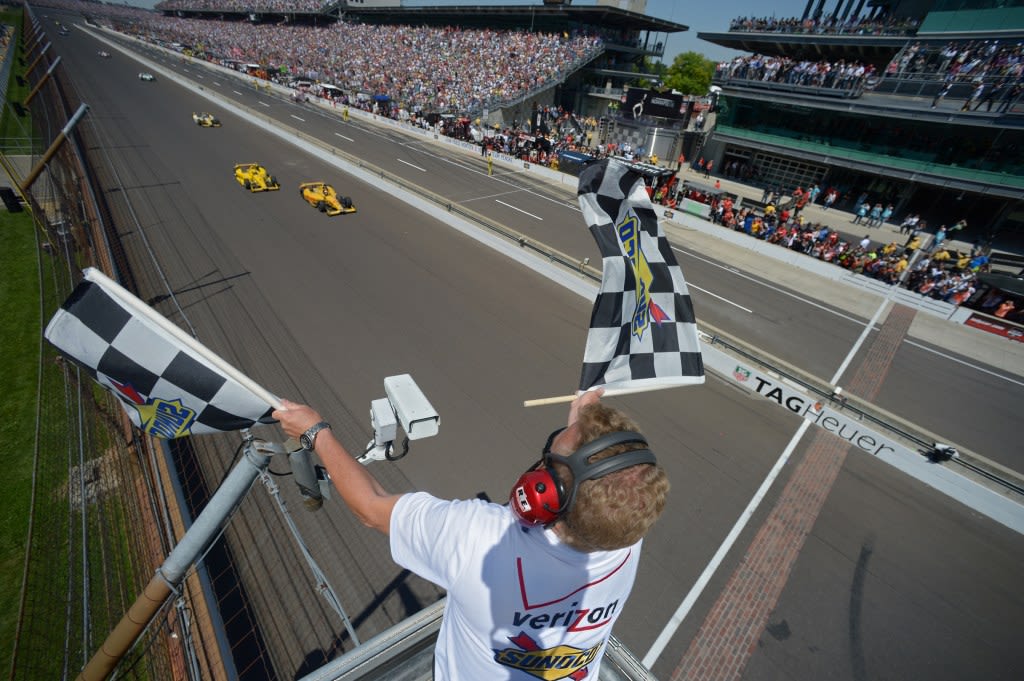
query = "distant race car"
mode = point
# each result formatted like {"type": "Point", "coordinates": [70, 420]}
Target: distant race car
{"type": "Point", "coordinates": [322, 196]}
{"type": "Point", "coordinates": [255, 177]}
{"type": "Point", "coordinates": [105, 55]}
{"type": "Point", "coordinates": [206, 120]}
{"type": "Point", "coordinates": [145, 75]}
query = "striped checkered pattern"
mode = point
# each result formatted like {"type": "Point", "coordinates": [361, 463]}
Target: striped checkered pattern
{"type": "Point", "coordinates": [642, 329]}
{"type": "Point", "coordinates": [167, 389]}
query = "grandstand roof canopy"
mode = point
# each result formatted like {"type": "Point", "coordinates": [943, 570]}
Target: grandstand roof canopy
{"type": "Point", "coordinates": [546, 19]}
{"type": "Point", "coordinates": [870, 49]}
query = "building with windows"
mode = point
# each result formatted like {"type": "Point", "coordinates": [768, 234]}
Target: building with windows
{"type": "Point", "coordinates": [917, 103]}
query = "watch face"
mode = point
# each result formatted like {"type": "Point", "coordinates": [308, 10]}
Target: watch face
{"type": "Point", "coordinates": [308, 439]}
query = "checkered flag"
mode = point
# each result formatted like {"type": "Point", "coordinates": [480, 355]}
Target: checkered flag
{"type": "Point", "coordinates": [643, 332]}
{"type": "Point", "coordinates": [170, 384]}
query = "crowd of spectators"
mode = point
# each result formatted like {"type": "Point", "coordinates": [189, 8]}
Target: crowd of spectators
{"type": "Point", "coordinates": [939, 271]}
{"type": "Point", "coordinates": [994, 69]}
{"type": "Point", "coordinates": [280, 6]}
{"type": "Point", "coordinates": [401, 72]}
{"type": "Point", "coordinates": [438, 69]}
{"type": "Point", "coordinates": [974, 61]}
{"type": "Point", "coordinates": [826, 24]}
{"type": "Point", "coordinates": [844, 75]}
{"type": "Point", "coordinates": [555, 130]}
{"type": "Point", "coordinates": [960, 61]}
{"type": "Point", "coordinates": [449, 69]}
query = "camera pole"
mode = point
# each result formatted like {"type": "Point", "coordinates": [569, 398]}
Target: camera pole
{"type": "Point", "coordinates": [170, 574]}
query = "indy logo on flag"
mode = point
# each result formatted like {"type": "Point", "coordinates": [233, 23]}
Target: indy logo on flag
{"type": "Point", "coordinates": [643, 331]}
{"type": "Point", "coordinates": [646, 309]}
{"type": "Point", "coordinates": [164, 418]}
{"type": "Point", "coordinates": [169, 384]}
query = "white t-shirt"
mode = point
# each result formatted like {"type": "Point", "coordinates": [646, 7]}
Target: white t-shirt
{"type": "Point", "coordinates": [521, 605]}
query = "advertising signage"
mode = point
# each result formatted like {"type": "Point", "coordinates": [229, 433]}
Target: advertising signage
{"type": "Point", "coordinates": [639, 102]}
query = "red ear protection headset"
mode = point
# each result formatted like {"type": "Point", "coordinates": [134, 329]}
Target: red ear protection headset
{"type": "Point", "coordinates": [540, 498]}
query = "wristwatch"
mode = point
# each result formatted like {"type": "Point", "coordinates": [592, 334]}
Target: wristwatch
{"type": "Point", "coordinates": [308, 439]}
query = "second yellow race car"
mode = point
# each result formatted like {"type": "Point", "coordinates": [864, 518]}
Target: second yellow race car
{"type": "Point", "coordinates": [322, 196]}
{"type": "Point", "coordinates": [255, 177]}
{"type": "Point", "coordinates": [205, 120]}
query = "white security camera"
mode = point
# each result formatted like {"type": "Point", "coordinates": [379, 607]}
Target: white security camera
{"type": "Point", "coordinates": [418, 418]}
{"type": "Point", "coordinates": [383, 420]}
{"type": "Point", "coordinates": [406, 405]}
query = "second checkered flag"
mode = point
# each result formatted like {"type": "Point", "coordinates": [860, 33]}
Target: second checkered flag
{"type": "Point", "coordinates": [643, 333]}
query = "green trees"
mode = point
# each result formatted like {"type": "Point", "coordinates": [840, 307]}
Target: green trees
{"type": "Point", "coordinates": [690, 73]}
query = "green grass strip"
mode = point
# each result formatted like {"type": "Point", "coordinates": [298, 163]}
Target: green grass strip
{"type": "Point", "coordinates": [19, 357]}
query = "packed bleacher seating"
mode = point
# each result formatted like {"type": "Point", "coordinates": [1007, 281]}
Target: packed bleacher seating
{"type": "Point", "coordinates": [274, 6]}
{"type": "Point", "coordinates": [825, 25]}
{"type": "Point", "coordinates": [395, 71]}
{"type": "Point", "coordinates": [960, 61]}
{"type": "Point", "coordinates": [448, 70]}
{"type": "Point", "coordinates": [438, 69]}
{"type": "Point", "coordinates": [841, 75]}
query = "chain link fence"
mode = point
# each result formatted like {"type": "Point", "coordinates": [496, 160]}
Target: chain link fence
{"type": "Point", "coordinates": [96, 529]}
{"type": "Point", "coordinates": [99, 522]}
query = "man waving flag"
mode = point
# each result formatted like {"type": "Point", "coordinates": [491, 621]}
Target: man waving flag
{"type": "Point", "coordinates": [643, 332]}
{"type": "Point", "coordinates": [169, 384]}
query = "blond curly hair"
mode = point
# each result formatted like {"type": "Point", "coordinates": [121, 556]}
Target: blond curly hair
{"type": "Point", "coordinates": [618, 509]}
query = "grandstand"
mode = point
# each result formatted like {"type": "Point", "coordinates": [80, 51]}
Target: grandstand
{"type": "Point", "coordinates": [627, 36]}
{"type": "Point", "coordinates": [918, 133]}
{"type": "Point", "coordinates": [502, 67]}
{"type": "Point", "coordinates": [499, 65]}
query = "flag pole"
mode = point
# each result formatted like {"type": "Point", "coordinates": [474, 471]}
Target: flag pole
{"type": "Point", "coordinates": [541, 401]}
{"type": "Point", "coordinates": [608, 392]}
{"type": "Point", "coordinates": [190, 548]}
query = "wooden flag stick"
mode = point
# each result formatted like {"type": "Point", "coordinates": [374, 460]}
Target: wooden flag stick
{"type": "Point", "coordinates": [609, 392]}
{"type": "Point", "coordinates": [561, 399]}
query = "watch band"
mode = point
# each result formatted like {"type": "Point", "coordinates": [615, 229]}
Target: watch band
{"type": "Point", "coordinates": [308, 439]}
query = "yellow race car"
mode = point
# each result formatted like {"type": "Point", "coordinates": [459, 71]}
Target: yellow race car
{"type": "Point", "coordinates": [322, 196]}
{"type": "Point", "coordinates": [205, 120]}
{"type": "Point", "coordinates": [255, 177]}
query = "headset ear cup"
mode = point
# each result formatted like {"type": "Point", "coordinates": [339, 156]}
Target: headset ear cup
{"type": "Point", "coordinates": [560, 507]}
{"type": "Point", "coordinates": [537, 496]}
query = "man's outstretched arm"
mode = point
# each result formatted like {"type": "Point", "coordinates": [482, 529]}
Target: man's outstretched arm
{"type": "Point", "coordinates": [358, 488]}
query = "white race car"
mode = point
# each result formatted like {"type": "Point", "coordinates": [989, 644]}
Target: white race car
{"type": "Point", "coordinates": [145, 75]}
